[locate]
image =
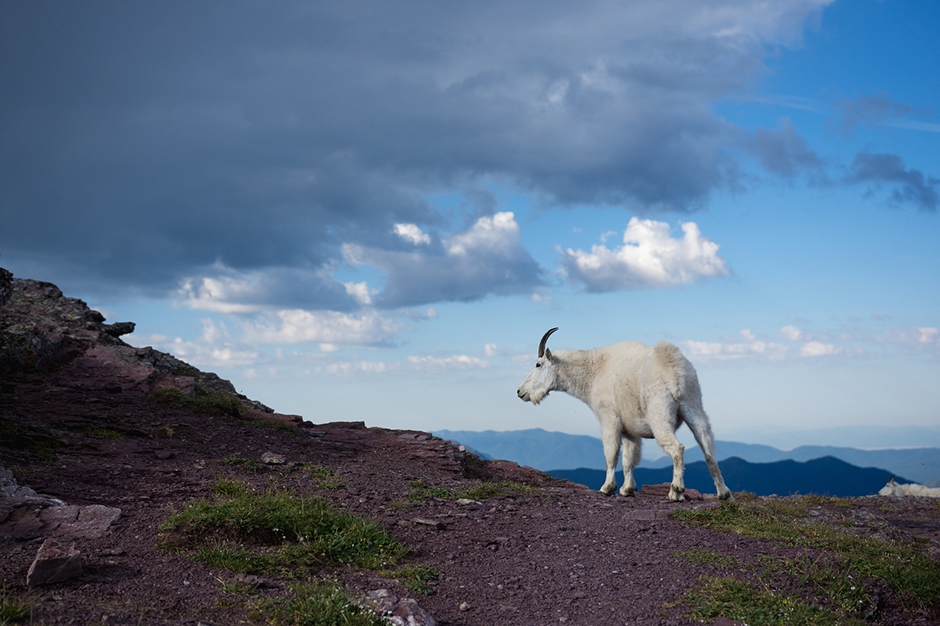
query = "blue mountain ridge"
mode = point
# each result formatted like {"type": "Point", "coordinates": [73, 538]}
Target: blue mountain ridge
{"type": "Point", "coordinates": [550, 451]}
{"type": "Point", "coordinates": [827, 476]}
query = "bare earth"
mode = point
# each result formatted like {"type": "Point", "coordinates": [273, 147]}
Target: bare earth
{"type": "Point", "coordinates": [561, 555]}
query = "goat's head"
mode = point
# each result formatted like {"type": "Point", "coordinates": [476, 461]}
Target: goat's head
{"type": "Point", "coordinates": [542, 378]}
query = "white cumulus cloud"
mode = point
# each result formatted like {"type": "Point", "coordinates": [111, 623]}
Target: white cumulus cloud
{"type": "Point", "coordinates": [411, 232]}
{"type": "Point", "coordinates": [488, 257]}
{"type": "Point", "coordinates": [649, 258]}
{"type": "Point", "coordinates": [818, 348]}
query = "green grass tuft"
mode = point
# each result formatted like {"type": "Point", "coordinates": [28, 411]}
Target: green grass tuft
{"type": "Point", "coordinates": [13, 609]}
{"type": "Point", "coordinates": [756, 606]}
{"type": "Point", "coordinates": [315, 604]}
{"type": "Point", "coordinates": [704, 556]}
{"type": "Point", "coordinates": [205, 403]}
{"type": "Point", "coordinates": [233, 460]}
{"type": "Point", "coordinates": [419, 491]}
{"type": "Point", "coordinates": [269, 532]}
{"type": "Point", "coordinates": [415, 577]}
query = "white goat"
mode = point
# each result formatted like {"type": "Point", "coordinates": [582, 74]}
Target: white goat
{"type": "Point", "coordinates": [636, 391]}
{"type": "Point", "coordinates": [922, 491]}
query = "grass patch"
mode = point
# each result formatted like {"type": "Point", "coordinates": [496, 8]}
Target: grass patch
{"type": "Point", "coordinates": [13, 609]}
{"type": "Point", "coordinates": [415, 577]}
{"type": "Point", "coordinates": [756, 606]}
{"type": "Point", "coordinates": [27, 439]}
{"type": "Point", "coordinates": [233, 460]}
{"type": "Point", "coordinates": [162, 432]}
{"type": "Point", "coordinates": [101, 432]}
{"type": "Point", "coordinates": [314, 604]}
{"type": "Point", "coordinates": [842, 575]}
{"type": "Point", "coordinates": [419, 491]}
{"type": "Point", "coordinates": [704, 556]}
{"type": "Point", "coordinates": [202, 402]}
{"type": "Point", "coordinates": [185, 370]}
{"type": "Point", "coordinates": [325, 477]}
{"type": "Point", "coordinates": [275, 532]}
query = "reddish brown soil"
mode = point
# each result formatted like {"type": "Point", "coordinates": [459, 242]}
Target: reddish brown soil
{"type": "Point", "coordinates": [562, 555]}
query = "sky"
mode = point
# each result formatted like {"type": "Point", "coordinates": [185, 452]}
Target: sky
{"type": "Point", "coordinates": [373, 211]}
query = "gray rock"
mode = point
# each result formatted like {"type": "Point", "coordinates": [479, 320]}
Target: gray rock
{"type": "Point", "coordinates": [55, 562]}
{"type": "Point", "coordinates": [271, 458]}
{"type": "Point", "coordinates": [6, 285]}
{"type": "Point", "coordinates": [398, 611]}
{"type": "Point", "coordinates": [79, 522]}
{"type": "Point", "coordinates": [118, 329]}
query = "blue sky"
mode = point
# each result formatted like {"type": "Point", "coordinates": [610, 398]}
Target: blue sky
{"type": "Point", "coordinates": [360, 212]}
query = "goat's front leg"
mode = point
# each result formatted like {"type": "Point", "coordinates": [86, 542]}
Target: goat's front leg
{"type": "Point", "coordinates": [610, 435]}
{"type": "Point", "coordinates": [631, 458]}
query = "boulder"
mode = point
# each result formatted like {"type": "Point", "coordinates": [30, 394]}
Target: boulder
{"type": "Point", "coordinates": [55, 562]}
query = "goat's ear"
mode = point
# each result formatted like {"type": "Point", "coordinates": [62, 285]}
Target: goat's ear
{"type": "Point", "coordinates": [548, 354]}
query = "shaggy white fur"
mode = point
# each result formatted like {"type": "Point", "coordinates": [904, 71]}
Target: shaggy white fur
{"type": "Point", "coordinates": [636, 391]}
{"type": "Point", "coordinates": [922, 491]}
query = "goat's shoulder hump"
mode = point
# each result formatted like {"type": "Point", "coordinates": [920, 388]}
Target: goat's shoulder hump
{"type": "Point", "coordinates": [668, 354]}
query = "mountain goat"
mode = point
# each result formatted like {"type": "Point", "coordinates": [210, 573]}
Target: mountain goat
{"type": "Point", "coordinates": [903, 489]}
{"type": "Point", "coordinates": [636, 391]}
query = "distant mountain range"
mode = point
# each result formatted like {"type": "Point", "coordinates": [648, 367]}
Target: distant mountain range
{"type": "Point", "coordinates": [550, 451]}
{"type": "Point", "coordinates": [825, 476]}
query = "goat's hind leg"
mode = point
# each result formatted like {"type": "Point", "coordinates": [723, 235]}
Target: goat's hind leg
{"type": "Point", "coordinates": [702, 430]}
{"type": "Point", "coordinates": [630, 459]}
{"type": "Point", "coordinates": [664, 431]}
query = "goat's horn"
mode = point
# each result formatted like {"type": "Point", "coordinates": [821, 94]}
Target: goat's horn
{"type": "Point", "coordinates": [544, 339]}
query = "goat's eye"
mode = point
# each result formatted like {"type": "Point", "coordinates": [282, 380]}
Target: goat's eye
{"type": "Point", "coordinates": [538, 365]}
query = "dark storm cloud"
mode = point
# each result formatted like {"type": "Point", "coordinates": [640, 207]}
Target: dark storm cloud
{"type": "Point", "coordinates": [145, 143]}
{"type": "Point", "coordinates": [785, 153]}
{"type": "Point", "coordinates": [909, 186]}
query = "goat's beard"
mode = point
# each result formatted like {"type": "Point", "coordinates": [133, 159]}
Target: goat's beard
{"type": "Point", "coordinates": [537, 397]}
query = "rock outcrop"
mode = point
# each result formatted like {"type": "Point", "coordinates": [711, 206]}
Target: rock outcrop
{"type": "Point", "coordinates": [42, 329]}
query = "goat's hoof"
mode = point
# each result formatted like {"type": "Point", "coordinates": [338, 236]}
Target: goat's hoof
{"type": "Point", "coordinates": [608, 490]}
{"type": "Point", "coordinates": [676, 495]}
{"type": "Point", "coordinates": [628, 492]}
{"type": "Point", "coordinates": [726, 496]}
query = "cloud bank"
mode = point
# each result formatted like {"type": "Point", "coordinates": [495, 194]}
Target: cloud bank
{"type": "Point", "coordinates": [144, 144]}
